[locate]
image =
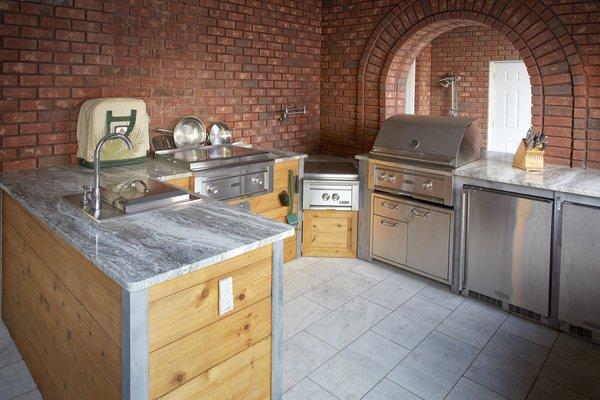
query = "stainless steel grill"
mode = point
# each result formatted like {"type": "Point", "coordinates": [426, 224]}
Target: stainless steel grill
{"type": "Point", "coordinates": [415, 155]}
{"type": "Point", "coordinates": [410, 178]}
{"type": "Point", "coordinates": [448, 141]}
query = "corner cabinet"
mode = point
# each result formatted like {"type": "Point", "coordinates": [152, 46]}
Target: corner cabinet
{"type": "Point", "coordinates": [403, 231]}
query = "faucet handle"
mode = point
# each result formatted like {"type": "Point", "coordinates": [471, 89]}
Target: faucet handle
{"type": "Point", "coordinates": [87, 195]}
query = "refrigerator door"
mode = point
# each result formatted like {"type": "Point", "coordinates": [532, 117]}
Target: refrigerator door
{"type": "Point", "coordinates": [579, 294]}
{"type": "Point", "coordinates": [508, 249]}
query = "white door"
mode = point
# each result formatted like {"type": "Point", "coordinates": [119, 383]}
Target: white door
{"type": "Point", "coordinates": [509, 110]}
{"type": "Point", "coordinates": [409, 104]}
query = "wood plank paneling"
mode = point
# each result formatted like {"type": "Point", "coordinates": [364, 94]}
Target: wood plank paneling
{"type": "Point", "coordinates": [183, 183]}
{"type": "Point", "coordinates": [43, 377]}
{"type": "Point", "coordinates": [246, 375]}
{"type": "Point", "coordinates": [179, 362]}
{"type": "Point", "coordinates": [269, 206]}
{"type": "Point", "coordinates": [329, 233]}
{"type": "Point", "coordinates": [188, 310]}
{"type": "Point", "coordinates": [79, 355]}
{"type": "Point", "coordinates": [202, 275]}
{"type": "Point", "coordinates": [93, 289]}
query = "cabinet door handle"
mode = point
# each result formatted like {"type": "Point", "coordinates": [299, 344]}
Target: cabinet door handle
{"type": "Point", "coordinates": [390, 206]}
{"type": "Point", "coordinates": [389, 224]}
{"type": "Point", "coordinates": [416, 213]}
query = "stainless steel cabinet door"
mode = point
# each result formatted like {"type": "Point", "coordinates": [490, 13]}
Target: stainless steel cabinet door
{"type": "Point", "coordinates": [508, 241]}
{"type": "Point", "coordinates": [579, 296]}
{"type": "Point", "coordinates": [428, 241]}
{"type": "Point", "coordinates": [389, 239]}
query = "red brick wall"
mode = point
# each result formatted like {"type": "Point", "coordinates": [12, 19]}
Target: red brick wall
{"type": "Point", "coordinates": [235, 61]}
{"type": "Point", "coordinates": [559, 42]}
{"type": "Point", "coordinates": [467, 51]}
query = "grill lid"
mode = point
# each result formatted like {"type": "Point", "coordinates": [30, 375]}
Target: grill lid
{"type": "Point", "coordinates": [453, 141]}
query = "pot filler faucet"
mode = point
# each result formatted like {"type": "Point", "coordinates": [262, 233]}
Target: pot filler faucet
{"type": "Point", "coordinates": [96, 190]}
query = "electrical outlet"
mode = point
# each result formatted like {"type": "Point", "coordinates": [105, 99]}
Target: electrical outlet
{"type": "Point", "coordinates": [225, 295]}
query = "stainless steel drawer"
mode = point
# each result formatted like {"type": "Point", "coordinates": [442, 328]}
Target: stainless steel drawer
{"type": "Point", "coordinates": [390, 208]}
{"type": "Point", "coordinates": [389, 239]}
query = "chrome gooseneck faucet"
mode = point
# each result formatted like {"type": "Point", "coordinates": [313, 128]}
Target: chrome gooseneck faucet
{"type": "Point", "coordinates": [96, 190]}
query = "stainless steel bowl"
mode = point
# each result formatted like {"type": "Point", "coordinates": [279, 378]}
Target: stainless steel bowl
{"type": "Point", "coordinates": [220, 133]}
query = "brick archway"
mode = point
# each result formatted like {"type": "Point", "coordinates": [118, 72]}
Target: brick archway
{"type": "Point", "coordinates": [552, 59]}
{"type": "Point", "coordinates": [394, 76]}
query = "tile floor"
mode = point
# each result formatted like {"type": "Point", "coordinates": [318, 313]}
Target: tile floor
{"type": "Point", "coordinates": [357, 330]}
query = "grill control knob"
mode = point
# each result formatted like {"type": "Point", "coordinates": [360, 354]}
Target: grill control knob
{"type": "Point", "coordinates": [257, 181]}
{"type": "Point", "coordinates": [391, 178]}
{"type": "Point", "coordinates": [212, 189]}
{"type": "Point", "coordinates": [325, 196]}
{"type": "Point", "coordinates": [335, 197]}
{"type": "Point", "coordinates": [428, 185]}
{"type": "Point", "coordinates": [382, 176]}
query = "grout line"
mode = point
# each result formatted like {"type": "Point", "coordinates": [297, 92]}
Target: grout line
{"type": "Point", "coordinates": [23, 394]}
{"type": "Point", "coordinates": [537, 376]}
{"type": "Point", "coordinates": [13, 363]}
{"type": "Point", "coordinates": [326, 391]}
{"type": "Point", "coordinates": [477, 356]}
{"type": "Point", "coordinates": [479, 384]}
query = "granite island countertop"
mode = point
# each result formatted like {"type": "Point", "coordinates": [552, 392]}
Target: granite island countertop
{"type": "Point", "coordinates": [141, 250]}
{"type": "Point", "coordinates": [497, 167]}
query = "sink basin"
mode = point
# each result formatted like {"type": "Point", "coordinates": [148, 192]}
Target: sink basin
{"type": "Point", "coordinates": [133, 198]}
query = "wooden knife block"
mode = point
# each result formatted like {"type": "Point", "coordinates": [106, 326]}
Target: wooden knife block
{"type": "Point", "coordinates": [528, 160]}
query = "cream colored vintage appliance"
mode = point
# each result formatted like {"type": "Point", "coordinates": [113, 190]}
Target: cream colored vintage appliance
{"type": "Point", "coordinates": [99, 117]}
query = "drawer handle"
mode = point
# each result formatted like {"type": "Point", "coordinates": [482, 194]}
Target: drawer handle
{"type": "Point", "coordinates": [389, 224]}
{"type": "Point", "coordinates": [390, 206]}
{"type": "Point", "coordinates": [416, 213]}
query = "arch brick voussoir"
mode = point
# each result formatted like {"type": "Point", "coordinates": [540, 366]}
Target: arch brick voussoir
{"type": "Point", "coordinates": [548, 50]}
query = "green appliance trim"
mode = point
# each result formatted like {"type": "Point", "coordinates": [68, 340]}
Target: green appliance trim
{"type": "Point", "coordinates": [291, 217]}
{"type": "Point", "coordinates": [131, 119]}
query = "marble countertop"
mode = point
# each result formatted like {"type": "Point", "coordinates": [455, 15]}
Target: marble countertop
{"type": "Point", "coordinates": [497, 167]}
{"type": "Point", "coordinates": [144, 249]}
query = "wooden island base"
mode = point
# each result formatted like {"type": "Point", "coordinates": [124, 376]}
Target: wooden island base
{"type": "Point", "coordinates": [82, 337]}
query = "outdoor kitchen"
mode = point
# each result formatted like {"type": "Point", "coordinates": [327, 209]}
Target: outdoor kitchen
{"type": "Point", "coordinates": [300, 200]}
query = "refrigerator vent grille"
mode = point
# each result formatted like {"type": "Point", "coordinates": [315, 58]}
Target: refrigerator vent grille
{"type": "Point", "coordinates": [581, 332]}
{"type": "Point", "coordinates": [485, 299]}
{"type": "Point", "coordinates": [524, 312]}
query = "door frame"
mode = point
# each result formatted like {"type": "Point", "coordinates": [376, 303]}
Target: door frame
{"type": "Point", "coordinates": [491, 89]}
{"type": "Point", "coordinates": [412, 72]}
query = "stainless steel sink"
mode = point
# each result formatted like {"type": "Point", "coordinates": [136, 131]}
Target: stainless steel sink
{"type": "Point", "coordinates": [132, 197]}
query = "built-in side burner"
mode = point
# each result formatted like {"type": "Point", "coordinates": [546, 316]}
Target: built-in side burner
{"type": "Point", "coordinates": [208, 157]}
{"type": "Point", "coordinates": [330, 183]}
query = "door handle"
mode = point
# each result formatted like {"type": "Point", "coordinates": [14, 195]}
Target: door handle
{"type": "Point", "coordinates": [389, 224]}
{"type": "Point", "coordinates": [416, 213]}
{"type": "Point", "coordinates": [390, 206]}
